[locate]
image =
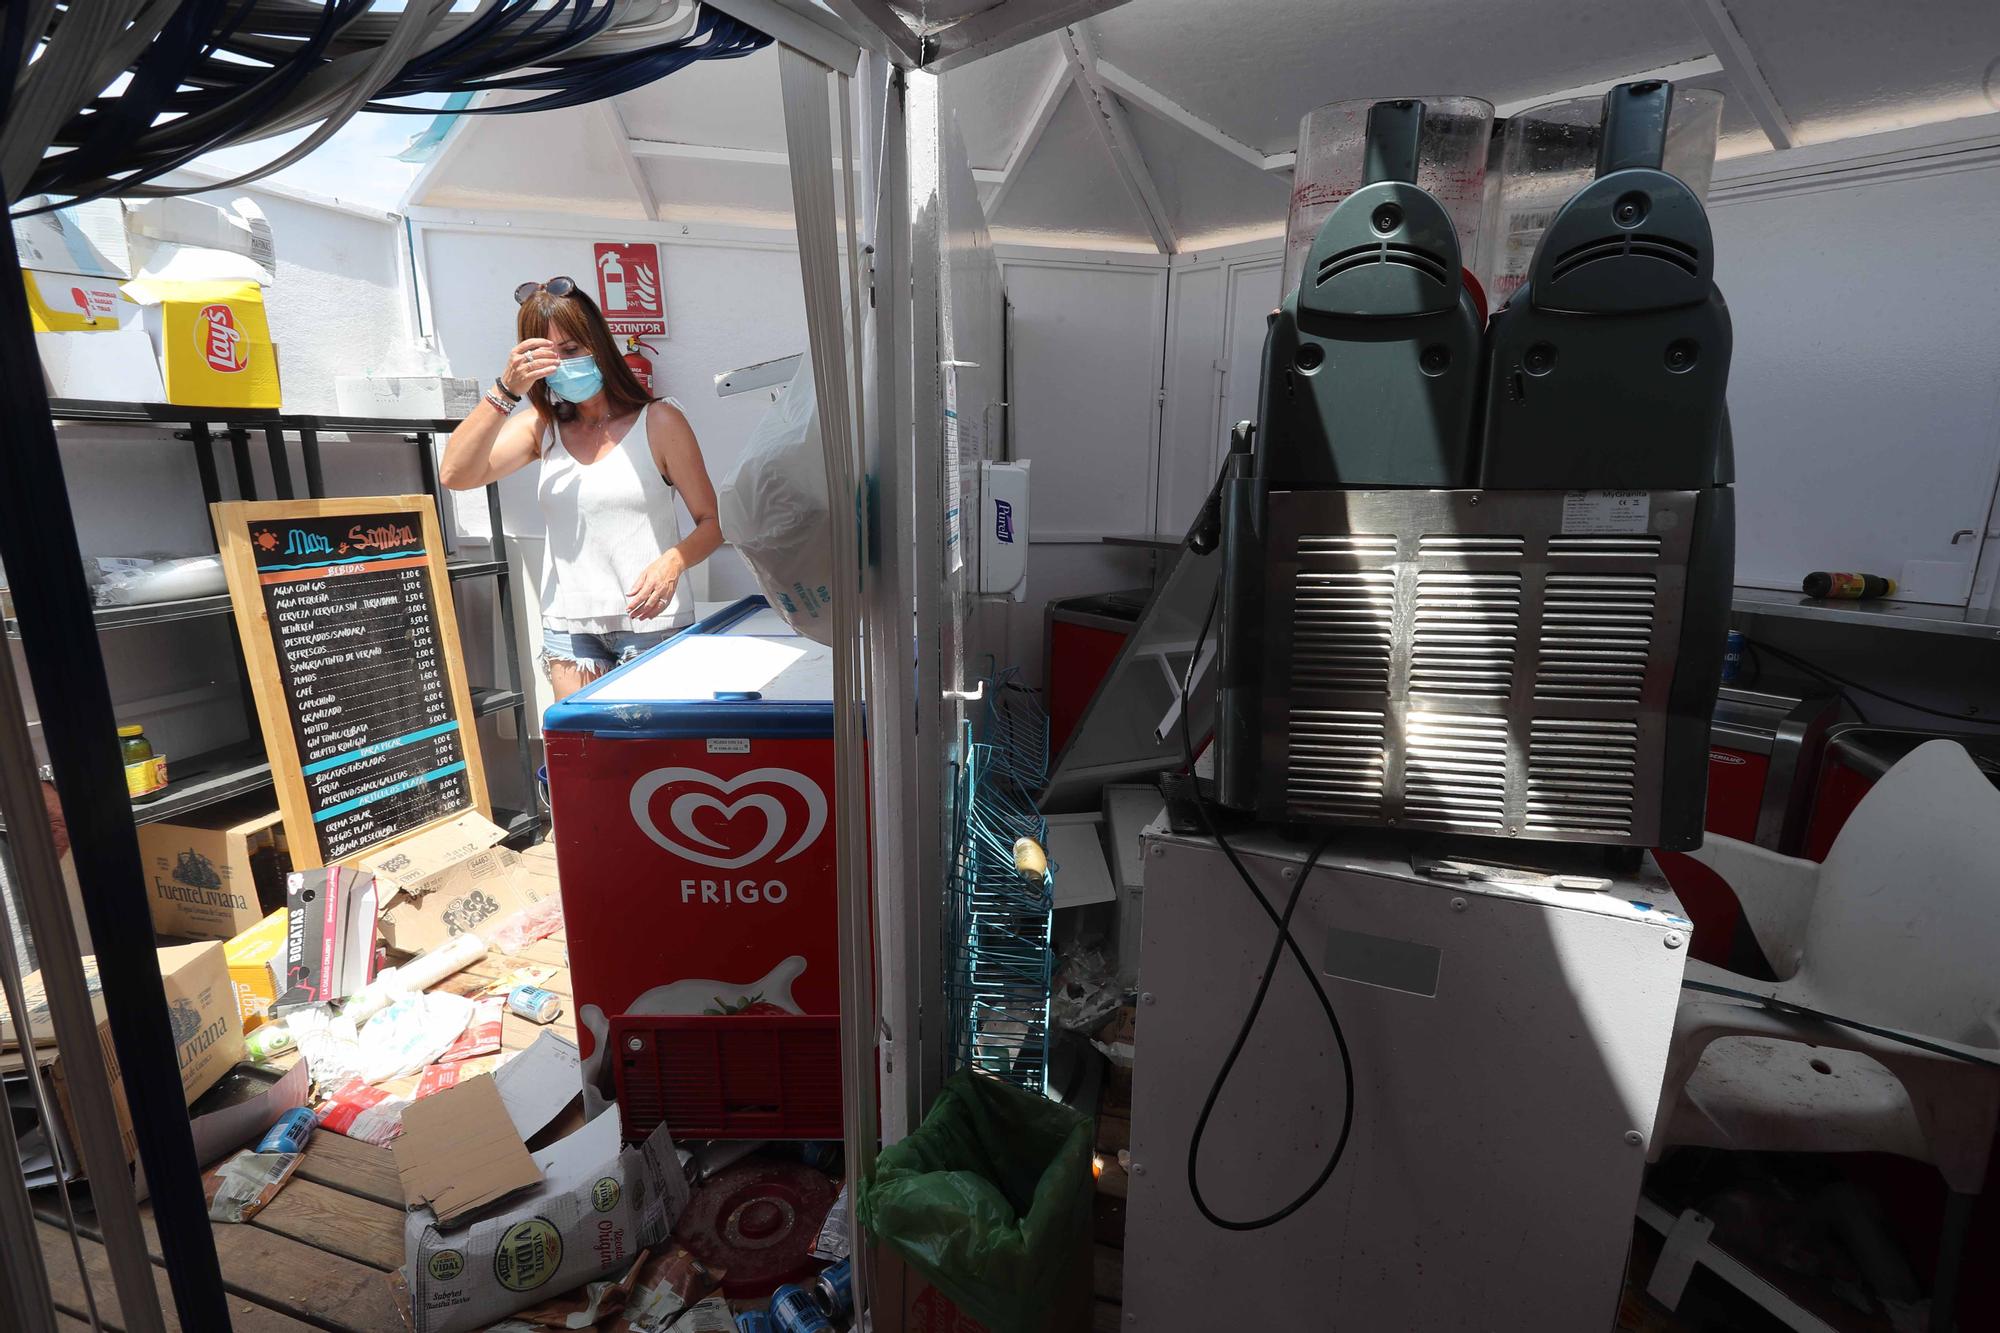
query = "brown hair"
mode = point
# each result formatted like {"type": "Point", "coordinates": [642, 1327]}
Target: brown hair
{"type": "Point", "coordinates": [578, 316]}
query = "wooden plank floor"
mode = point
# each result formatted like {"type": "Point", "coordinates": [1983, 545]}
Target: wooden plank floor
{"type": "Point", "coordinates": [320, 1255]}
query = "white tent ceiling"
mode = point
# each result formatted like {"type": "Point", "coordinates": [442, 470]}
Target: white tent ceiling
{"type": "Point", "coordinates": [1169, 123]}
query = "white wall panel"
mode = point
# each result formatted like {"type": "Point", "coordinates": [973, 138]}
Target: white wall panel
{"type": "Point", "coordinates": [1865, 387]}
{"type": "Point", "coordinates": [1086, 346]}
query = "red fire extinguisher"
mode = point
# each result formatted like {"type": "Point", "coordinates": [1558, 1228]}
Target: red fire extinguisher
{"type": "Point", "coordinates": [637, 362]}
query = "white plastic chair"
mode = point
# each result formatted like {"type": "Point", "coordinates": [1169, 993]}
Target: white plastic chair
{"type": "Point", "coordinates": [1900, 929]}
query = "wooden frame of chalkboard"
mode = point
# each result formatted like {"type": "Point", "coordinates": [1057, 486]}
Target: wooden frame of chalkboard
{"type": "Point", "coordinates": [351, 640]}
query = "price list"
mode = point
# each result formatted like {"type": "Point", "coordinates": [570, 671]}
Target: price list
{"type": "Point", "coordinates": [356, 634]}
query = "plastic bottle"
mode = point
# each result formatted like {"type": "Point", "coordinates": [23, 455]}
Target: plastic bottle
{"type": "Point", "coordinates": [1848, 587]}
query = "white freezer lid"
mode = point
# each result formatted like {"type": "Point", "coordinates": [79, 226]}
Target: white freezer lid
{"type": "Point", "coordinates": [759, 653]}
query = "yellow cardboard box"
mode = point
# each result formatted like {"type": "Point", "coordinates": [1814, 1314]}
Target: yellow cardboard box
{"type": "Point", "coordinates": [198, 871]}
{"type": "Point", "coordinates": [213, 339]}
{"type": "Point", "coordinates": [256, 961]}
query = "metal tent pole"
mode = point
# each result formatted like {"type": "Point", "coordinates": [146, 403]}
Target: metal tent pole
{"type": "Point", "coordinates": [59, 640]}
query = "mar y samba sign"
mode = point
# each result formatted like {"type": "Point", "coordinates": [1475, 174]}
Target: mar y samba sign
{"type": "Point", "coordinates": [344, 609]}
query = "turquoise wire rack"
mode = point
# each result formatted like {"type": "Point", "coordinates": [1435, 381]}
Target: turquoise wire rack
{"type": "Point", "coordinates": [997, 921]}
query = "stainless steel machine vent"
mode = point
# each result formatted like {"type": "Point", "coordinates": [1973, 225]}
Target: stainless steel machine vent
{"type": "Point", "coordinates": [1597, 630]}
{"type": "Point", "coordinates": [1337, 763]}
{"type": "Point", "coordinates": [1455, 770]}
{"type": "Point", "coordinates": [1465, 630]}
{"type": "Point", "coordinates": [1582, 775]}
{"type": "Point", "coordinates": [1492, 670]}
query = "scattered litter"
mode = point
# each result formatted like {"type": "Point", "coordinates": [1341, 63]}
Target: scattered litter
{"type": "Point", "coordinates": [711, 1156]}
{"type": "Point", "coordinates": [411, 1033]}
{"type": "Point", "coordinates": [585, 1307]}
{"type": "Point", "coordinates": [832, 1242]}
{"type": "Point", "coordinates": [238, 1189]}
{"type": "Point", "coordinates": [1085, 991]}
{"type": "Point", "coordinates": [481, 1035]}
{"type": "Point", "coordinates": [361, 1112]}
{"type": "Point", "coordinates": [539, 1084]}
{"type": "Point", "coordinates": [449, 1074]}
{"type": "Point", "coordinates": [535, 922]}
{"type": "Point", "coordinates": [669, 1283]}
{"type": "Point", "coordinates": [535, 1004]}
{"type": "Point", "coordinates": [709, 1316]}
{"type": "Point", "coordinates": [415, 976]}
{"type": "Point", "coordinates": [459, 1151]}
{"type": "Point", "coordinates": [328, 1042]}
{"type": "Point", "coordinates": [291, 1132]}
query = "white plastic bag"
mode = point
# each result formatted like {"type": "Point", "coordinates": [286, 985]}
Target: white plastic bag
{"type": "Point", "coordinates": [773, 508]}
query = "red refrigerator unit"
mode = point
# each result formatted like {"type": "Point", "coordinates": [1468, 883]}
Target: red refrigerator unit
{"type": "Point", "coordinates": [692, 796]}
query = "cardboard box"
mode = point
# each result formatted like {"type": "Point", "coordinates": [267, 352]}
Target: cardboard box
{"type": "Point", "coordinates": [213, 341]}
{"type": "Point", "coordinates": [198, 870]}
{"type": "Point", "coordinates": [58, 1075]}
{"type": "Point", "coordinates": [329, 935]}
{"type": "Point", "coordinates": [406, 397]}
{"type": "Point", "coordinates": [598, 1203]}
{"type": "Point", "coordinates": [66, 302]}
{"type": "Point", "coordinates": [451, 880]}
{"type": "Point", "coordinates": [200, 1006]}
{"type": "Point", "coordinates": [256, 961]}
{"type": "Point", "coordinates": [118, 366]}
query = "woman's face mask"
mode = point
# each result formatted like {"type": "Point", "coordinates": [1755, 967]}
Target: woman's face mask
{"type": "Point", "coordinates": [576, 379]}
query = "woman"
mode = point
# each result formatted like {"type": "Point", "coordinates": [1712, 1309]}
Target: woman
{"type": "Point", "coordinates": [611, 460]}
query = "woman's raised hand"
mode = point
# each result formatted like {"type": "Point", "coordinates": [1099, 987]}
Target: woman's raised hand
{"type": "Point", "coordinates": [532, 359]}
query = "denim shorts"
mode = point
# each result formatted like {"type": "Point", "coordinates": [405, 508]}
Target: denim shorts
{"type": "Point", "coordinates": [598, 653]}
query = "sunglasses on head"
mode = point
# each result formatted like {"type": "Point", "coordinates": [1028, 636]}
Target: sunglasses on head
{"type": "Point", "coordinates": [554, 287]}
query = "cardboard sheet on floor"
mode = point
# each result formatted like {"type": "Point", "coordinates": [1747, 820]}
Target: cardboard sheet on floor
{"type": "Point", "coordinates": [459, 1151]}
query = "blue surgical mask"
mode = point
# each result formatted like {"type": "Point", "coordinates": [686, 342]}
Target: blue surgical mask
{"type": "Point", "coordinates": [576, 380]}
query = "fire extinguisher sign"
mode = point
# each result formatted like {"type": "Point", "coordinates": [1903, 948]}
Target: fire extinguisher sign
{"type": "Point", "coordinates": [628, 287]}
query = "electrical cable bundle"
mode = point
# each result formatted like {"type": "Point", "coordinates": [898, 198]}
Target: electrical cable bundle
{"type": "Point", "coordinates": [109, 95]}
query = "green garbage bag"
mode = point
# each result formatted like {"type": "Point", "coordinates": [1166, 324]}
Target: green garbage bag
{"type": "Point", "coordinates": [990, 1199]}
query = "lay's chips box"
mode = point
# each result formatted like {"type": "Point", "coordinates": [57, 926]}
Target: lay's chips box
{"type": "Point", "coordinates": [213, 340]}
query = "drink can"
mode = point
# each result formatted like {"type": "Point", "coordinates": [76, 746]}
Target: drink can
{"type": "Point", "coordinates": [836, 1290]}
{"type": "Point", "coordinates": [267, 1041]}
{"type": "Point", "coordinates": [793, 1310]}
{"type": "Point", "coordinates": [1732, 656]}
{"type": "Point", "coordinates": [753, 1321]}
{"type": "Point", "coordinates": [535, 1004]}
{"type": "Point", "coordinates": [289, 1135]}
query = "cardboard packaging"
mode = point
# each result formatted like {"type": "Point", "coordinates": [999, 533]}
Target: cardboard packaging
{"type": "Point", "coordinates": [213, 341]}
{"type": "Point", "coordinates": [198, 871]}
{"type": "Point", "coordinates": [329, 935]}
{"type": "Point", "coordinates": [452, 880]}
{"type": "Point", "coordinates": [206, 1030]}
{"type": "Point", "coordinates": [597, 1203]}
{"type": "Point", "coordinates": [256, 961]}
{"type": "Point", "coordinates": [406, 397]}
{"type": "Point", "coordinates": [118, 366]}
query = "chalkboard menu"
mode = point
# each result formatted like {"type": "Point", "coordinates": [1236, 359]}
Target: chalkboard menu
{"type": "Point", "coordinates": [344, 607]}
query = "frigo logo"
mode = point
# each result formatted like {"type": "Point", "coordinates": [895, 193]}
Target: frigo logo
{"type": "Point", "coordinates": [741, 840]}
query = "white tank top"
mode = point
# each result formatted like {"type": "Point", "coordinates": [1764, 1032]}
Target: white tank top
{"type": "Point", "coordinates": [606, 523]}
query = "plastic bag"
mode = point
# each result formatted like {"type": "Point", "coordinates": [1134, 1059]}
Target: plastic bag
{"type": "Point", "coordinates": [119, 580]}
{"type": "Point", "coordinates": [773, 509]}
{"type": "Point", "coordinates": [990, 1199]}
{"type": "Point", "coordinates": [1085, 991]}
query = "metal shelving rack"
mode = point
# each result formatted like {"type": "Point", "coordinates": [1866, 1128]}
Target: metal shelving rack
{"type": "Point", "coordinates": [241, 767]}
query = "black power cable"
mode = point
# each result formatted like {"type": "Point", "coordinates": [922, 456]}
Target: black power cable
{"type": "Point", "coordinates": [1842, 681]}
{"type": "Point", "coordinates": [1284, 941]}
